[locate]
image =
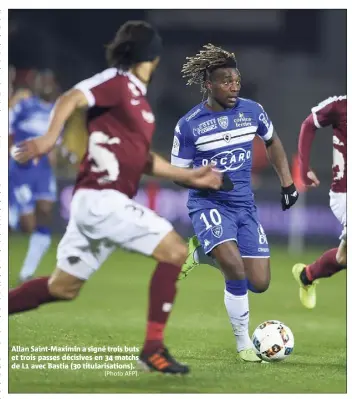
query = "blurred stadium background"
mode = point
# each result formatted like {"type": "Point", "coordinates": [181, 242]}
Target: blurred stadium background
{"type": "Point", "coordinates": [289, 59]}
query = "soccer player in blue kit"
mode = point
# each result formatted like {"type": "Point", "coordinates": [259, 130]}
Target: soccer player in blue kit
{"type": "Point", "coordinates": [32, 186]}
{"type": "Point", "coordinates": [220, 131]}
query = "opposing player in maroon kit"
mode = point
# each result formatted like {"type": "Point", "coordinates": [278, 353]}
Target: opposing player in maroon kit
{"type": "Point", "coordinates": [331, 112]}
{"type": "Point", "coordinates": [103, 215]}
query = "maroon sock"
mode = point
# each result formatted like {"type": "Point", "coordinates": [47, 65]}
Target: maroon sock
{"type": "Point", "coordinates": [325, 266]}
{"type": "Point", "coordinates": [30, 295]}
{"type": "Point", "coordinates": [162, 293]}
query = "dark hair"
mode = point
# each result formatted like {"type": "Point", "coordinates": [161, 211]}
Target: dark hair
{"type": "Point", "coordinates": [198, 68]}
{"type": "Point", "coordinates": [135, 41]}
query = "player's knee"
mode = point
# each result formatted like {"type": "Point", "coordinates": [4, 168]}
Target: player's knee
{"type": "Point", "coordinates": [233, 268]}
{"type": "Point", "coordinates": [259, 286]}
{"type": "Point", "coordinates": [178, 255]}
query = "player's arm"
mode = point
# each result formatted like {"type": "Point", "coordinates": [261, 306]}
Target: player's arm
{"type": "Point", "coordinates": [102, 90]}
{"type": "Point", "coordinates": [324, 114]}
{"type": "Point", "coordinates": [278, 159]}
{"type": "Point", "coordinates": [64, 107]}
{"type": "Point", "coordinates": [203, 177]}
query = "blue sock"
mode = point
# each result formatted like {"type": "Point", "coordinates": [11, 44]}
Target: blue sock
{"type": "Point", "coordinates": [236, 287]}
{"type": "Point", "coordinates": [39, 243]}
{"type": "Point", "coordinates": [236, 302]}
{"type": "Point", "coordinates": [251, 287]}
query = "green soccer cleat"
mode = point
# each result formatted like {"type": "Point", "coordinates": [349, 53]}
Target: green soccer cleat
{"type": "Point", "coordinates": [249, 355]}
{"type": "Point", "coordinates": [190, 263]}
{"type": "Point", "coordinates": [307, 293]}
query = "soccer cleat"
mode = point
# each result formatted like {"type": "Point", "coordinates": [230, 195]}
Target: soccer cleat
{"type": "Point", "coordinates": [190, 263]}
{"type": "Point", "coordinates": [307, 293]}
{"type": "Point", "coordinates": [249, 355]}
{"type": "Point", "coordinates": [161, 361]}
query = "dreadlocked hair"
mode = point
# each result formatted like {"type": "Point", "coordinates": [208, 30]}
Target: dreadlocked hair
{"type": "Point", "coordinates": [206, 61]}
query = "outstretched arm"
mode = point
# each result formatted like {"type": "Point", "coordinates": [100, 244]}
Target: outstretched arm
{"type": "Point", "coordinates": [64, 107]}
{"type": "Point", "coordinates": [203, 177]}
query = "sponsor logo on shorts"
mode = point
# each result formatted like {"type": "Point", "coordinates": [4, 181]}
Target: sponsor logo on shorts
{"type": "Point", "coordinates": [217, 231]}
{"type": "Point", "coordinates": [262, 236]}
{"type": "Point", "coordinates": [263, 249]}
{"type": "Point", "coordinates": [206, 243]}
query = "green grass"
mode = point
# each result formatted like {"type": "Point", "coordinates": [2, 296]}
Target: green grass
{"type": "Point", "coordinates": [111, 310]}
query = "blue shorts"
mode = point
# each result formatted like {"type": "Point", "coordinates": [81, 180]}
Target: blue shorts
{"type": "Point", "coordinates": [221, 223]}
{"type": "Point", "coordinates": [29, 185]}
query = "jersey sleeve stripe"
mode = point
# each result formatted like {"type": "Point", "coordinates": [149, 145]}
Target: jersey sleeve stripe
{"type": "Point", "coordinates": [180, 162]}
{"type": "Point", "coordinates": [87, 93]}
{"type": "Point", "coordinates": [269, 133]}
{"type": "Point", "coordinates": [88, 84]}
{"type": "Point", "coordinates": [315, 118]}
{"type": "Point", "coordinates": [323, 104]}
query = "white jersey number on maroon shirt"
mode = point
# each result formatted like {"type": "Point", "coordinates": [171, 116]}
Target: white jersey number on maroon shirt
{"type": "Point", "coordinates": [105, 160]}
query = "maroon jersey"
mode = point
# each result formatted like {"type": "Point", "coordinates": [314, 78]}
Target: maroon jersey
{"type": "Point", "coordinates": [333, 112]}
{"type": "Point", "coordinates": [120, 127]}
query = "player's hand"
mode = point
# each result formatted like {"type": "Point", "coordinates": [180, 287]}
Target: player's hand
{"type": "Point", "coordinates": [289, 196]}
{"type": "Point", "coordinates": [312, 179]}
{"type": "Point", "coordinates": [205, 177]}
{"type": "Point", "coordinates": [32, 149]}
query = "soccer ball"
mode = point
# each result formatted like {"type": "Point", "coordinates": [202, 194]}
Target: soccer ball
{"type": "Point", "coordinates": [273, 341]}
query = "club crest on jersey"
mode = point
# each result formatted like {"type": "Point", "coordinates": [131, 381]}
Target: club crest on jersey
{"type": "Point", "coordinates": [227, 137]}
{"type": "Point", "coordinates": [217, 231]}
{"type": "Point", "coordinates": [223, 122]}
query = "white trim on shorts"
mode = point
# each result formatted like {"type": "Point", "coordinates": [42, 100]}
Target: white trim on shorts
{"type": "Point", "coordinates": [221, 242]}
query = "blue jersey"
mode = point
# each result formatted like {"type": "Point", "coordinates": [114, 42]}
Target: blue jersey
{"type": "Point", "coordinates": [223, 139]}
{"type": "Point", "coordinates": [29, 182]}
{"type": "Point", "coordinates": [28, 119]}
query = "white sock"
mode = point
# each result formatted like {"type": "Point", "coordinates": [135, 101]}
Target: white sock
{"type": "Point", "coordinates": [238, 310]}
{"type": "Point", "coordinates": [200, 257]}
{"type": "Point", "coordinates": [39, 243]}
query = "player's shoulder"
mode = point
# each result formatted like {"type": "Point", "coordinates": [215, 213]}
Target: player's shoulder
{"type": "Point", "coordinates": [249, 104]}
{"type": "Point", "coordinates": [191, 116]}
{"type": "Point", "coordinates": [332, 100]}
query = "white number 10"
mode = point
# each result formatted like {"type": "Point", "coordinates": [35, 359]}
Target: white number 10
{"type": "Point", "coordinates": [215, 218]}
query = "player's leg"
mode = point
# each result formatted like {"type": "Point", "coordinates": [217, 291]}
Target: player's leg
{"type": "Point", "coordinates": [44, 194]}
{"type": "Point", "coordinates": [40, 238]}
{"type": "Point", "coordinates": [77, 258]}
{"type": "Point", "coordinates": [170, 254]}
{"type": "Point", "coordinates": [330, 263]}
{"type": "Point", "coordinates": [120, 221]}
{"type": "Point", "coordinates": [236, 302]}
{"type": "Point", "coordinates": [216, 230]}
{"type": "Point", "coordinates": [254, 249]}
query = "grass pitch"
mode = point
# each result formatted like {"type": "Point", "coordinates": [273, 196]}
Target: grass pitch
{"type": "Point", "coordinates": [111, 310]}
